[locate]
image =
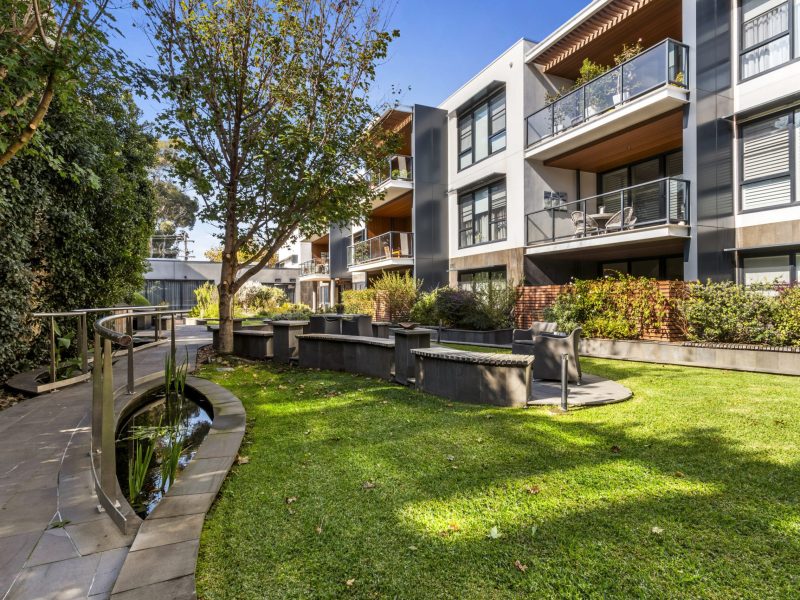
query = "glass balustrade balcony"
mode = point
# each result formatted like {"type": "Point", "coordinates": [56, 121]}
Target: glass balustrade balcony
{"type": "Point", "coordinates": [664, 64]}
{"type": "Point", "coordinates": [660, 202]}
{"type": "Point", "coordinates": [315, 266]}
{"type": "Point", "coordinates": [398, 168]}
{"type": "Point", "coordinates": [392, 245]}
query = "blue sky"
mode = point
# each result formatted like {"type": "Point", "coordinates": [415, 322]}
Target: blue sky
{"type": "Point", "coordinates": [442, 44]}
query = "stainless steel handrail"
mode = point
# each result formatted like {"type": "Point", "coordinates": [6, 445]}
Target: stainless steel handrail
{"type": "Point", "coordinates": [103, 422]}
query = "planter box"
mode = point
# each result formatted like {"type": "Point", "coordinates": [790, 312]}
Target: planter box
{"type": "Point", "coordinates": [495, 337]}
{"type": "Point", "coordinates": [780, 362]}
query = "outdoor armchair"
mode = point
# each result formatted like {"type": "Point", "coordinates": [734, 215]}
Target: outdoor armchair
{"type": "Point", "coordinates": [547, 349]}
{"type": "Point", "coordinates": [357, 325]}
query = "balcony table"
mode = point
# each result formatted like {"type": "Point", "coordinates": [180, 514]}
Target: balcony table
{"type": "Point", "coordinates": [602, 219]}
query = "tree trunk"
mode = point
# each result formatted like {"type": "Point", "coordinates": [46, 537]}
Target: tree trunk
{"type": "Point", "coordinates": [227, 291]}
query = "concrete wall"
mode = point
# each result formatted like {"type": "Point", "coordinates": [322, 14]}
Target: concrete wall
{"type": "Point", "coordinates": [177, 270]}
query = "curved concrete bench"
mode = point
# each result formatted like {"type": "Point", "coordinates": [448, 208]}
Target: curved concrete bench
{"type": "Point", "coordinates": [369, 356]}
{"type": "Point", "coordinates": [474, 377]}
{"type": "Point", "coordinates": [253, 344]}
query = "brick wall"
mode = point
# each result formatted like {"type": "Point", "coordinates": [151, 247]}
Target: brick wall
{"type": "Point", "coordinates": [532, 300]}
{"type": "Point", "coordinates": [381, 308]}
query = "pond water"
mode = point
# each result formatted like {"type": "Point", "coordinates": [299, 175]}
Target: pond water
{"type": "Point", "coordinates": [156, 442]}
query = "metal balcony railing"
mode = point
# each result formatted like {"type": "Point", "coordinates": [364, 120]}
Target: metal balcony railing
{"type": "Point", "coordinates": [398, 168]}
{"type": "Point", "coordinates": [666, 63]}
{"type": "Point", "coordinates": [387, 246]}
{"type": "Point", "coordinates": [659, 202]}
{"type": "Point", "coordinates": [315, 266]}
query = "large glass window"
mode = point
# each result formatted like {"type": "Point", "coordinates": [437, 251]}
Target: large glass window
{"type": "Point", "coordinates": [477, 279]}
{"type": "Point", "coordinates": [767, 269]}
{"type": "Point", "coordinates": [482, 215]}
{"type": "Point", "coordinates": [482, 131]}
{"type": "Point", "coordinates": [766, 162]}
{"type": "Point", "coordinates": [766, 35]}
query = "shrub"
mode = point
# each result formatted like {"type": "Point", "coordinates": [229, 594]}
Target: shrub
{"type": "Point", "coordinates": [292, 312]}
{"type": "Point", "coordinates": [616, 307]}
{"type": "Point", "coordinates": [497, 301]}
{"type": "Point", "coordinates": [456, 307]}
{"type": "Point", "coordinates": [254, 297]}
{"type": "Point", "coordinates": [359, 302]}
{"type": "Point", "coordinates": [787, 315]}
{"type": "Point", "coordinates": [730, 313]}
{"type": "Point", "coordinates": [137, 299]}
{"type": "Point", "coordinates": [424, 309]}
{"type": "Point", "coordinates": [399, 292]}
{"type": "Point", "coordinates": [207, 306]}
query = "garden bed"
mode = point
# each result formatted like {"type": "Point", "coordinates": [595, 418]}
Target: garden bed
{"type": "Point", "coordinates": [494, 337]}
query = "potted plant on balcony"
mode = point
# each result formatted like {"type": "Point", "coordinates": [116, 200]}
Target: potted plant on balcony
{"type": "Point", "coordinates": [594, 95]}
{"type": "Point", "coordinates": [628, 52]}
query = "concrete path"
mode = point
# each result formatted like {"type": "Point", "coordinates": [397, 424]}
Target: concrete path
{"type": "Point", "coordinates": [593, 391]}
{"type": "Point", "coordinates": [53, 541]}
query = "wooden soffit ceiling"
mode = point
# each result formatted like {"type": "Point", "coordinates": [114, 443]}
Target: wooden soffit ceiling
{"type": "Point", "coordinates": [602, 35]}
{"type": "Point", "coordinates": [400, 207]}
{"type": "Point", "coordinates": [661, 134]}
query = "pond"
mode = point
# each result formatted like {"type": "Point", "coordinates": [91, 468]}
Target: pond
{"type": "Point", "coordinates": [156, 442]}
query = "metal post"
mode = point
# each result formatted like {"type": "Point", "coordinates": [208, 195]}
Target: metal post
{"type": "Point", "coordinates": [83, 325]}
{"type": "Point", "coordinates": [129, 331]}
{"type": "Point", "coordinates": [108, 475]}
{"type": "Point", "coordinates": [157, 324]}
{"type": "Point", "coordinates": [564, 386]}
{"type": "Point", "coordinates": [52, 350]}
{"type": "Point", "coordinates": [172, 339]}
{"type": "Point", "coordinates": [97, 393]}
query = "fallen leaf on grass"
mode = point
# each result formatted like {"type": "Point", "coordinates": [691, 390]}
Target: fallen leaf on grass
{"type": "Point", "coordinates": [291, 499]}
{"type": "Point", "coordinates": [242, 460]}
{"type": "Point", "coordinates": [369, 485]}
{"type": "Point", "coordinates": [412, 548]}
{"type": "Point", "coordinates": [318, 529]}
{"type": "Point", "coordinates": [450, 457]}
{"type": "Point", "coordinates": [452, 527]}
{"type": "Point", "coordinates": [656, 530]}
{"type": "Point", "coordinates": [520, 566]}
{"type": "Point", "coordinates": [350, 582]}
{"type": "Point", "coordinates": [494, 534]}
{"type": "Point", "coordinates": [616, 449]}
{"type": "Point", "coordinates": [533, 489]}
{"type": "Point", "coordinates": [679, 474]}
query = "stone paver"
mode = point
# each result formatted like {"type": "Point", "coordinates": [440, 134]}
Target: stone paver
{"type": "Point", "coordinates": [45, 480]}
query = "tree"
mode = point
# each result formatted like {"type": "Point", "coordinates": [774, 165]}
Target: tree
{"type": "Point", "coordinates": [44, 45]}
{"type": "Point", "coordinates": [173, 205]}
{"type": "Point", "coordinates": [214, 254]}
{"type": "Point", "coordinates": [76, 212]}
{"type": "Point", "coordinates": [267, 102]}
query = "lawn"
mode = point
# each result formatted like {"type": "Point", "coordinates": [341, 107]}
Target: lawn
{"type": "Point", "coordinates": [359, 488]}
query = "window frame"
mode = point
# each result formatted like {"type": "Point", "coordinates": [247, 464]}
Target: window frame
{"type": "Point", "coordinates": [790, 33]}
{"type": "Point", "coordinates": [662, 265]}
{"type": "Point", "coordinates": [794, 264]}
{"type": "Point", "coordinates": [792, 173]}
{"type": "Point", "coordinates": [469, 197]}
{"type": "Point", "coordinates": [470, 115]}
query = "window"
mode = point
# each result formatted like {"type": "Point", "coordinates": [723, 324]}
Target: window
{"type": "Point", "coordinates": [766, 162]}
{"type": "Point", "coordinates": [476, 279]}
{"type": "Point", "coordinates": [766, 35]}
{"type": "Point", "coordinates": [482, 215]}
{"type": "Point", "coordinates": [667, 268]}
{"type": "Point", "coordinates": [482, 131]}
{"type": "Point", "coordinates": [768, 269]}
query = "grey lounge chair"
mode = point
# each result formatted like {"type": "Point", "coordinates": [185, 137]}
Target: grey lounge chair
{"type": "Point", "coordinates": [547, 349]}
{"type": "Point", "coordinates": [584, 224]}
{"type": "Point", "coordinates": [527, 335]}
{"type": "Point", "coordinates": [316, 324]}
{"type": "Point", "coordinates": [357, 325]}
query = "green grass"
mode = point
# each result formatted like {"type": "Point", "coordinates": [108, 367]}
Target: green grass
{"type": "Point", "coordinates": [690, 490]}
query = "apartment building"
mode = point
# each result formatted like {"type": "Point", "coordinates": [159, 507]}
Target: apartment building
{"type": "Point", "coordinates": [651, 137]}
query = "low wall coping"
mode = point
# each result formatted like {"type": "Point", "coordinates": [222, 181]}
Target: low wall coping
{"type": "Point", "coordinates": [476, 358]}
{"type": "Point", "coordinates": [289, 323]}
{"type": "Point", "coordinates": [352, 339]}
{"type": "Point", "coordinates": [252, 333]}
{"type": "Point", "coordinates": [409, 332]}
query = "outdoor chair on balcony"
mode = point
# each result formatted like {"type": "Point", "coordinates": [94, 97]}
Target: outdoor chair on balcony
{"type": "Point", "coordinates": [618, 223]}
{"type": "Point", "coordinates": [584, 224]}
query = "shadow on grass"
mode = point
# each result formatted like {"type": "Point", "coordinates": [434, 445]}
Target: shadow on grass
{"type": "Point", "coordinates": [623, 507]}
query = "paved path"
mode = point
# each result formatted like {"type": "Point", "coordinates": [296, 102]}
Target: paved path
{"type": "Point", "coordinates": [53, 541]}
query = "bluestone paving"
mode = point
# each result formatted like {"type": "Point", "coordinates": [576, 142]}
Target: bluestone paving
{"type": "Point", "coordinates": [45, 480]}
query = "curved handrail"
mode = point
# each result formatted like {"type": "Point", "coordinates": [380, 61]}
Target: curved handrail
{"type": "Point", "coordinates": [125, 339]}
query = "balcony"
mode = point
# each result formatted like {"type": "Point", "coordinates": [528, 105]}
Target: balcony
{"type": "Point", "coordinates": [652, 83]}
{"type": "Point", "coordinates": [657, 210]}
{"type": "Point", "coordinates": [390, 249]}
{"type": "Point", "coordinates": [396, 178]}
{"type": "Point", "coordinates": [315, 269]}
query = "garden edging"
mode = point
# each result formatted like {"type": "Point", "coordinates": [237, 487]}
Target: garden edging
{"type": "Point", "coordinates": [736, 359]}
{"type": "Point", "coordinates": [173, 529]}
